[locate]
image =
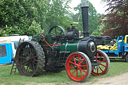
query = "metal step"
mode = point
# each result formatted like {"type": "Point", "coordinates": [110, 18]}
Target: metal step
{"type": "Point", "coordinates": [13, 69]}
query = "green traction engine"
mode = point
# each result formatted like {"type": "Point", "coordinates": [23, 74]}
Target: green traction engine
{"type": "Point", "coordinates": [60, 50]}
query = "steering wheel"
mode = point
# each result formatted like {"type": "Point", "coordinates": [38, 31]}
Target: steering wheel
{"type": "Point", "coordinates": [57, 31]}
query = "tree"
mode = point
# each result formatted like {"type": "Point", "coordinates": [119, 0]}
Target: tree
{"type": "Point", "coordinates": [58, 14]}
{"type": "Point", "coordinates": [16, 16]}
{"type": "Point", "coordinates": [93, 18]}
{"type": "Point", "coordinates": [117, 19]}
{"type": "Point", "coordinates": [41, 11]}
{"type": "Point", "coordinates": [30, 16]}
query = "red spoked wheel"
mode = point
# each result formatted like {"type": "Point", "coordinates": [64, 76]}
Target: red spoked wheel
{"type": "Point", "coordinates": [78, 66]}
{"type": "Point", "coordinates": [104, 63]}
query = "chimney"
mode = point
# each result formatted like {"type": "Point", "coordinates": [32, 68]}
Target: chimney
{"type": "Point", "coordinates": [84, 8]}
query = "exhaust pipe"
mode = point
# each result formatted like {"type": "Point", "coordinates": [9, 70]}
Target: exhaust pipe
{"type": "Point", "coordinates": [84, 8]}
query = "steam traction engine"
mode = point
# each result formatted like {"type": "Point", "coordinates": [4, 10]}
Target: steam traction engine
{"type": "Point", "coordinates": [58, 49]}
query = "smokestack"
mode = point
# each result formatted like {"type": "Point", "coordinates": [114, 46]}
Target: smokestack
{"type": "Point", "coordinates": [84, 8]}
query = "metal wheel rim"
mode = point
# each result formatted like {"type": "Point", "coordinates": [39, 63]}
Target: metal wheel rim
{"type": "Point", "coordinates": [68, 68]}
{"type": "Point", "coordinates": [27, 62]}
{"type": "Point", "coordinates": [54, 27]}
{"type": "Point", "coordinates": [100, 70]}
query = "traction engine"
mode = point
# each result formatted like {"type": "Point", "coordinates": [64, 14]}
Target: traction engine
{"type": "Point", "coordinates": [59, 49]}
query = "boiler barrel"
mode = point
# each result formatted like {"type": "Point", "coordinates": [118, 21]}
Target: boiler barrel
{"type": "Point", "coordinates": [86, 45]}
{"type": "Point", "coordinates": [71, 47]}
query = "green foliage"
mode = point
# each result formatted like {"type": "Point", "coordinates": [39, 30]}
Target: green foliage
{"type": "Point", "coordinates": [93, 18]}
{"type": "Point", "coordinates": [16, 16]}
{"type": "Point", "coordinates": [41, 10]}
{"type": "Point", "coordinates": [58, 14]}
{"type": "Point", "coordinates": [34, 29]}
{"type": "Point", "coordinates": [30, 16]}
{"type": "Point", "coordinates": [95, 32]}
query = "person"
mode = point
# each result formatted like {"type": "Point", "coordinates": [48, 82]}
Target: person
{"type": "Point", "coordinates": [71, 28]}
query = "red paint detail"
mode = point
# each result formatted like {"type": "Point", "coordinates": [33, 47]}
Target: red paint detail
{"type": "Point", "coordinates": [102, 67]}
{"type": "Point", "coordinates": [52, 44]}
{"type": "Point", "coordinates": [76, 74]}
{"type": "Point", "coordinates": [45, 40]}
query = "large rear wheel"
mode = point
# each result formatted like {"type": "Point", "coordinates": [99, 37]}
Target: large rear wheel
{"type": "Point", "coordinates": [104, 65]}
{"type": "Point", "coordinates": [78, 66]}
{"type": "Point", "coordinates": [30, 58]}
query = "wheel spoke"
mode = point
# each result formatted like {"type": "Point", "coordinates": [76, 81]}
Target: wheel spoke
{"type": "Point", "coordinates": [72, 62]}
{"type": "Point", "coordinates": [25, 63]}
{"type": "Point", "coordinates": [81, 73]}
{"type": "Point", "coordinates": [83, 66]}
{"type": "Point", "coordinates": [100, 57]}
{"type": "Point", "coordinates": [27, 68]}
{"type": "Point", "coordinates": [76, 73]}
{"type": "Point", "coordinates": [101, 69]}
{"type": "Point", "coordinates": [103, 65]}
{"type": "Point", "coordinates": [83, 70]}
{"type": "Point", "coordinates": [26, 53]}
{"type": "Point", "coordinates": [103, 61]}
{"type": "Point", "coordinates": [29, 49]}
{"type": "Point", "coordinates": [32, 54]}
{"type": "Point", "coordinates": [96, 56]}
{"type": "Point", "coordinates": [81, 62]}
{"type": "Point", "coordinates": [73, 72]}
{"type": "Point", "coordinates": [71, 67]}
{"type": "Point", "coordinates": [34, 62]}
{"type": "Point", "coordinates": [22, 48]}
{"type": "Point", "coordinates": [33, 67]}
{"type": "Point", "coordinates": [35, 58]}
{"type": "Point", "coordinates": [97, 70]}
{"type": "Point", "coordinates": [78, 59]}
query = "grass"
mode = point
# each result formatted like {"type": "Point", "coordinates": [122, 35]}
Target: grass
{"type": "Point", "coordinates": [116, 68]}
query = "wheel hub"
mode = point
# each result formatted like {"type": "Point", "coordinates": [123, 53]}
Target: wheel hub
{"type": "Point", "coordinates": [28, 58]}
{"type": "Point", "coordinates": [76, 66]}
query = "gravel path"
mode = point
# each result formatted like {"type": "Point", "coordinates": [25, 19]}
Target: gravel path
{"type": "Point", "coordinates": [116, 80]}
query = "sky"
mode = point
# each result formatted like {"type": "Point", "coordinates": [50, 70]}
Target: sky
{"type": "Point", "coordinates": [99, 6]}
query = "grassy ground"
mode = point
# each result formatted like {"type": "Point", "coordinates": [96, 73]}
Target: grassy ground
{"type": "Point", "coordinates": [116, 68]}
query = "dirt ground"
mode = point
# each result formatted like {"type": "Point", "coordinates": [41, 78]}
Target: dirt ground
{"type": "Point", "coordinates": [116, 80]}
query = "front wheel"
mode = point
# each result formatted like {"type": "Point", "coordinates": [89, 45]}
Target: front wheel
{"type": "Point", "coordinates": [78, 66]}
{"type": "Point", "coordinates": [104, 63]}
